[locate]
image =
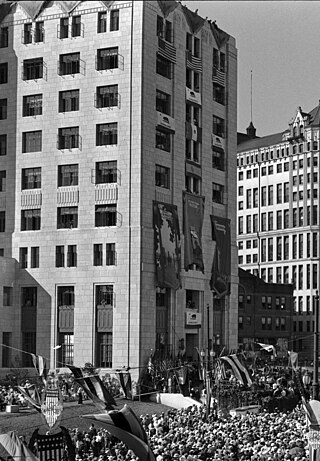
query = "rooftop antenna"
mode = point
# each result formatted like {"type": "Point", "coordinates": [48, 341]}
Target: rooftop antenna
{"type": "Point", "coordinates": [251, 95]}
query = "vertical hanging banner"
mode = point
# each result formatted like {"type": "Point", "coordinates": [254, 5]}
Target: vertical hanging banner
{"type": "Point", "coordinates": [193, 220]}
{"type": "Point", "coordinates": [167, 245]}
{"type": "Point", "coordinates": [221, 266]}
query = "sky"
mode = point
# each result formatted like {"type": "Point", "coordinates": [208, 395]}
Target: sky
{"type": "Point", "coordinates": [280, 42]}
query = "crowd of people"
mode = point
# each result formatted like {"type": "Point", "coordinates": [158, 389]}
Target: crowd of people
{"type": "Point", "coordinates": [191, 435]}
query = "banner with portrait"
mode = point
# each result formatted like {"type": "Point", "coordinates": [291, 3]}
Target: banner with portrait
{"type": "Point", "coordinates": [167, 245]}
{"type": "Point", "coordinates": [221, 266]}
{"type": "Point", "coordinates": [193, 220]}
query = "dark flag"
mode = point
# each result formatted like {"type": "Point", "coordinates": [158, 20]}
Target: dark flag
{"type": "Point", "coordinates": [167, 245]}
{"type": "Point", "coordinates": [182, 378]}
{"type": "Point", "coordinates": [94, 388]}
{"type": "Point", "coordinates": [193, 219]}
{"type": "Point", "coordinates": [221, 266]}
{"type": "Point", "coordinates": [125, 426]}
{"type": "Point", "coordinates": [126, 384]}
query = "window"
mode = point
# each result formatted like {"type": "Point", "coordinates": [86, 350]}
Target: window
{"type": "Point", "coordinates": [3, 175]}
{"type": "Point", "coordinates": [68, 138]}
{"type": "Point", "coordinates": [263, 222]}
{"type": "Point", "coordinates": [286, 247]}
{"type": "Point", "coordinates": [68, 175]}
{"type": "Point", "coordinates": [3, 72]}
{"type": "Point", "coordinates": [240, 176]}
{"type": "Point", "coordinates": [107, 96]}
{"type": "Point", "coordinates": [249, 224]}
{"type": "Point", "coordinates": [64, 28]}
{"type": "Point", "coordinates": [4, 37]}
{"type": "Point", "coordinates": [39, 32]}
{"type": "Point", "coordinates": [106, 172]}
{"type": "Point", "coordinates": [67, 217]}
{"type": "Point", "coordinates": [249, 198]}
{"type": "Point", "coordinates": [31, 219]}
{"type": "Point", "coordinates": [104, 295]}
{"type": "Point", "coordinates": [162, 177]}
{"type": "Point", "coordinates": [279, 248]}
{"type": "Point", "coordinates": [255, 223]}
{"type": "Point", "coordinates": [279, 219]}
{"type": "Point", "coordinates": [107, 58]}
{"type": "Point", "coordinates": [33, 69]}
{"type": "Point", "coordinates": [69, 100]}
{"type": "Point", "coordinates": [76, 28]}
{"type": "Point", "coordinates": [34, 257]}
{"type": "Point", "coordinates": [23, 257]}
{"type": "Point", "coordinates": [240, 190]}
{"type": "Point", "coordinates": [270, 275]}
{"type": "Point", "coordinates": [32, 105]}
{"type": "Point", "coordinates": [217, 160]}
{"type": "Point", "coordinates": [3, 144]}
{"type": "Point", "coordinates": [193, 184]}
{"type": "Point", "coordinates": [105, 215]}
{"type": "Point", "coordinates": [72, 256]}
{"type": "Point", "coordinates": [60, 256]}
{"type": "Point", "coordinates": [110, 254]}
{"type": "Point", "coordinates": [217, 193]}
{"type": "Point", "coordinates": [163, 140]}
{"type": "Point", "coordinates": [31, 141]}
{"type": "Point", "coordinates": [279, 193]}
{"type": "Point", "coordinates": [97, 254]}
{"type": "Point", "coordinates": [263, 196]}
{"type": "Point", "coordinates": [102, 22]}
{"type": "Point", "coordinates": [255, 197]}
{"type": "Point", "coordinates": [3, 109]}
{"type": "Point", "coordinates": [240, 225]}
{"type": "Point", "coordinates": [240, 322]}
{"type": "Point", "coordinates": [263, 250]}
{"type": "Point", "coordinates": [163, 102]}
{"type": "Point", "coordinates": [69, 64]}
{"type": "Point", "coordinates": [218, 126]}
{"type": "Point", "coordinates": [270, 220]}
{"type": "Point", "coordinates": [106, 134]}
{"type": "Point", "coordinates": [263, 171]}
{"type": "Point", "coordinates": [2, 221]}
{"type": "Point", "coordinates": [279, 168]}
{"type": "Point", "coordinates": [31, 178]}
{"type": "Point", "coordinates": [27, 33]}
{"type": "Point", "coordinates": [218, 93]}
{"type": "Point", "coordinates": [164, 67]}
{"type": "Point", "coordinates": [270, 195]}
{"type": "Point", "coordinates": [7, 296]}
{"type": "Point", "coordinates": [114, 20]}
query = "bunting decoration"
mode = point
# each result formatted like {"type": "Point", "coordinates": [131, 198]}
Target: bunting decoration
{"type": "Point", "coordinates": [239, 371]}
{"type": "Point", "coordinates": [125, 425]}
{"type": "Point", "coordinates": [268, 348]}
{"type": "Point", "coordinates": [31, 395]}
{"type": "Point", "coordinates": [126, 384]}
{"type": "Point", "coordinates": [221, 266]}
{"type": "Point", "coordinates": [193, 220]}
{"type": "Point", "coordinates": [94, 388]}
{"type": "Point", "coordinates": [40, 365]}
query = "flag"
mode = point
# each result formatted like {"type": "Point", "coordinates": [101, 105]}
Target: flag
{"type": "Point", "coordinates": [239, 371]}
{"type": "Point", "coordinates": [193, 62]}
{"type": "Point", "coordinates": [31, 395]}
{"type": "Point", "coordinates": [293, 359]}
{"type": "Point", "coordinates": [94, 388]}
{"type": "Point", "coordinates": [125, 383]}
{"type": "Point", "coordinates": [182, 378]}
{"type": "Point", "coordinates": [218, 77]}
{"type": "Point", "coordinates": [268, 348]}
{"type": "Point", "coordinates": [220, 371]}
{"type": "Point", "coordinates": [40, 365]}
{"type": "Point", "coordinates": [125, 426]}
{"type": "Point", "coordinates": [166, 50]}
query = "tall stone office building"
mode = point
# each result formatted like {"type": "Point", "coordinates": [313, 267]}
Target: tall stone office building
{"type": "Point", "coordinates": [118, 182]}
{"type": "Point", "coordinates": [278, 221]}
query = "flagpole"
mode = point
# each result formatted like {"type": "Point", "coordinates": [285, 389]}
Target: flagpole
{"type": "Point", "coordinates": [315, 385]}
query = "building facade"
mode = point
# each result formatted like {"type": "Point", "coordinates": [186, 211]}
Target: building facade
{"type": "Point", "coordinates": [278, 216]}
{"type": "Point", "coordinates": [117, 166]}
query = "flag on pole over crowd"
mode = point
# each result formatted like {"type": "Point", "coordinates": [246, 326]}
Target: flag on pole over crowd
{"type": "Point", "coordinates": [239, 371]}
{"type": "Point", "coordinates": [94, 388]}
{"type": "Point", "coordinates": [125, 425]}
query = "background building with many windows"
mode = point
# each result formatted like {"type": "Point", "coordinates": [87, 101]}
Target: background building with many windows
{"type": "Point", "coordinates": [278, 215]}
{"type": "Point", "coordinates": [113, 112]}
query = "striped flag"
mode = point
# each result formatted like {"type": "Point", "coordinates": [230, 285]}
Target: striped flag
{"type": "Point", "coordinates": [40, 365]}
{"type": "Point", "coordinates": [94, 388]}
{"type": "Point", "coordinates": [50, 446]}
{"type": "Point", "coordinates": [31, 395]}
{"type": "Point", "coordinates": [166, 50]}
{"type": "Point", "coordinates": [193, 62]}
{"type": "Point", "coordinates": [218, 77]}
{"type": "Point", "coordinates": [239, 371]}
{"type": "Point", "coordinates": [125, 383]}
{"type": "Point", "coordinates": [125, 426]}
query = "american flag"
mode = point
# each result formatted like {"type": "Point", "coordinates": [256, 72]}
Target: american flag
{"type": "Point", "coordinates": [218, 77]}
{"type": "Point", "coordinates": [50, 447]}
{"type": "Point", "coordinates": [193, 62]}
{"type": "Point", "coordinates": [166, 50]}
{"type": "Point", "coordinates": [126, 385]}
